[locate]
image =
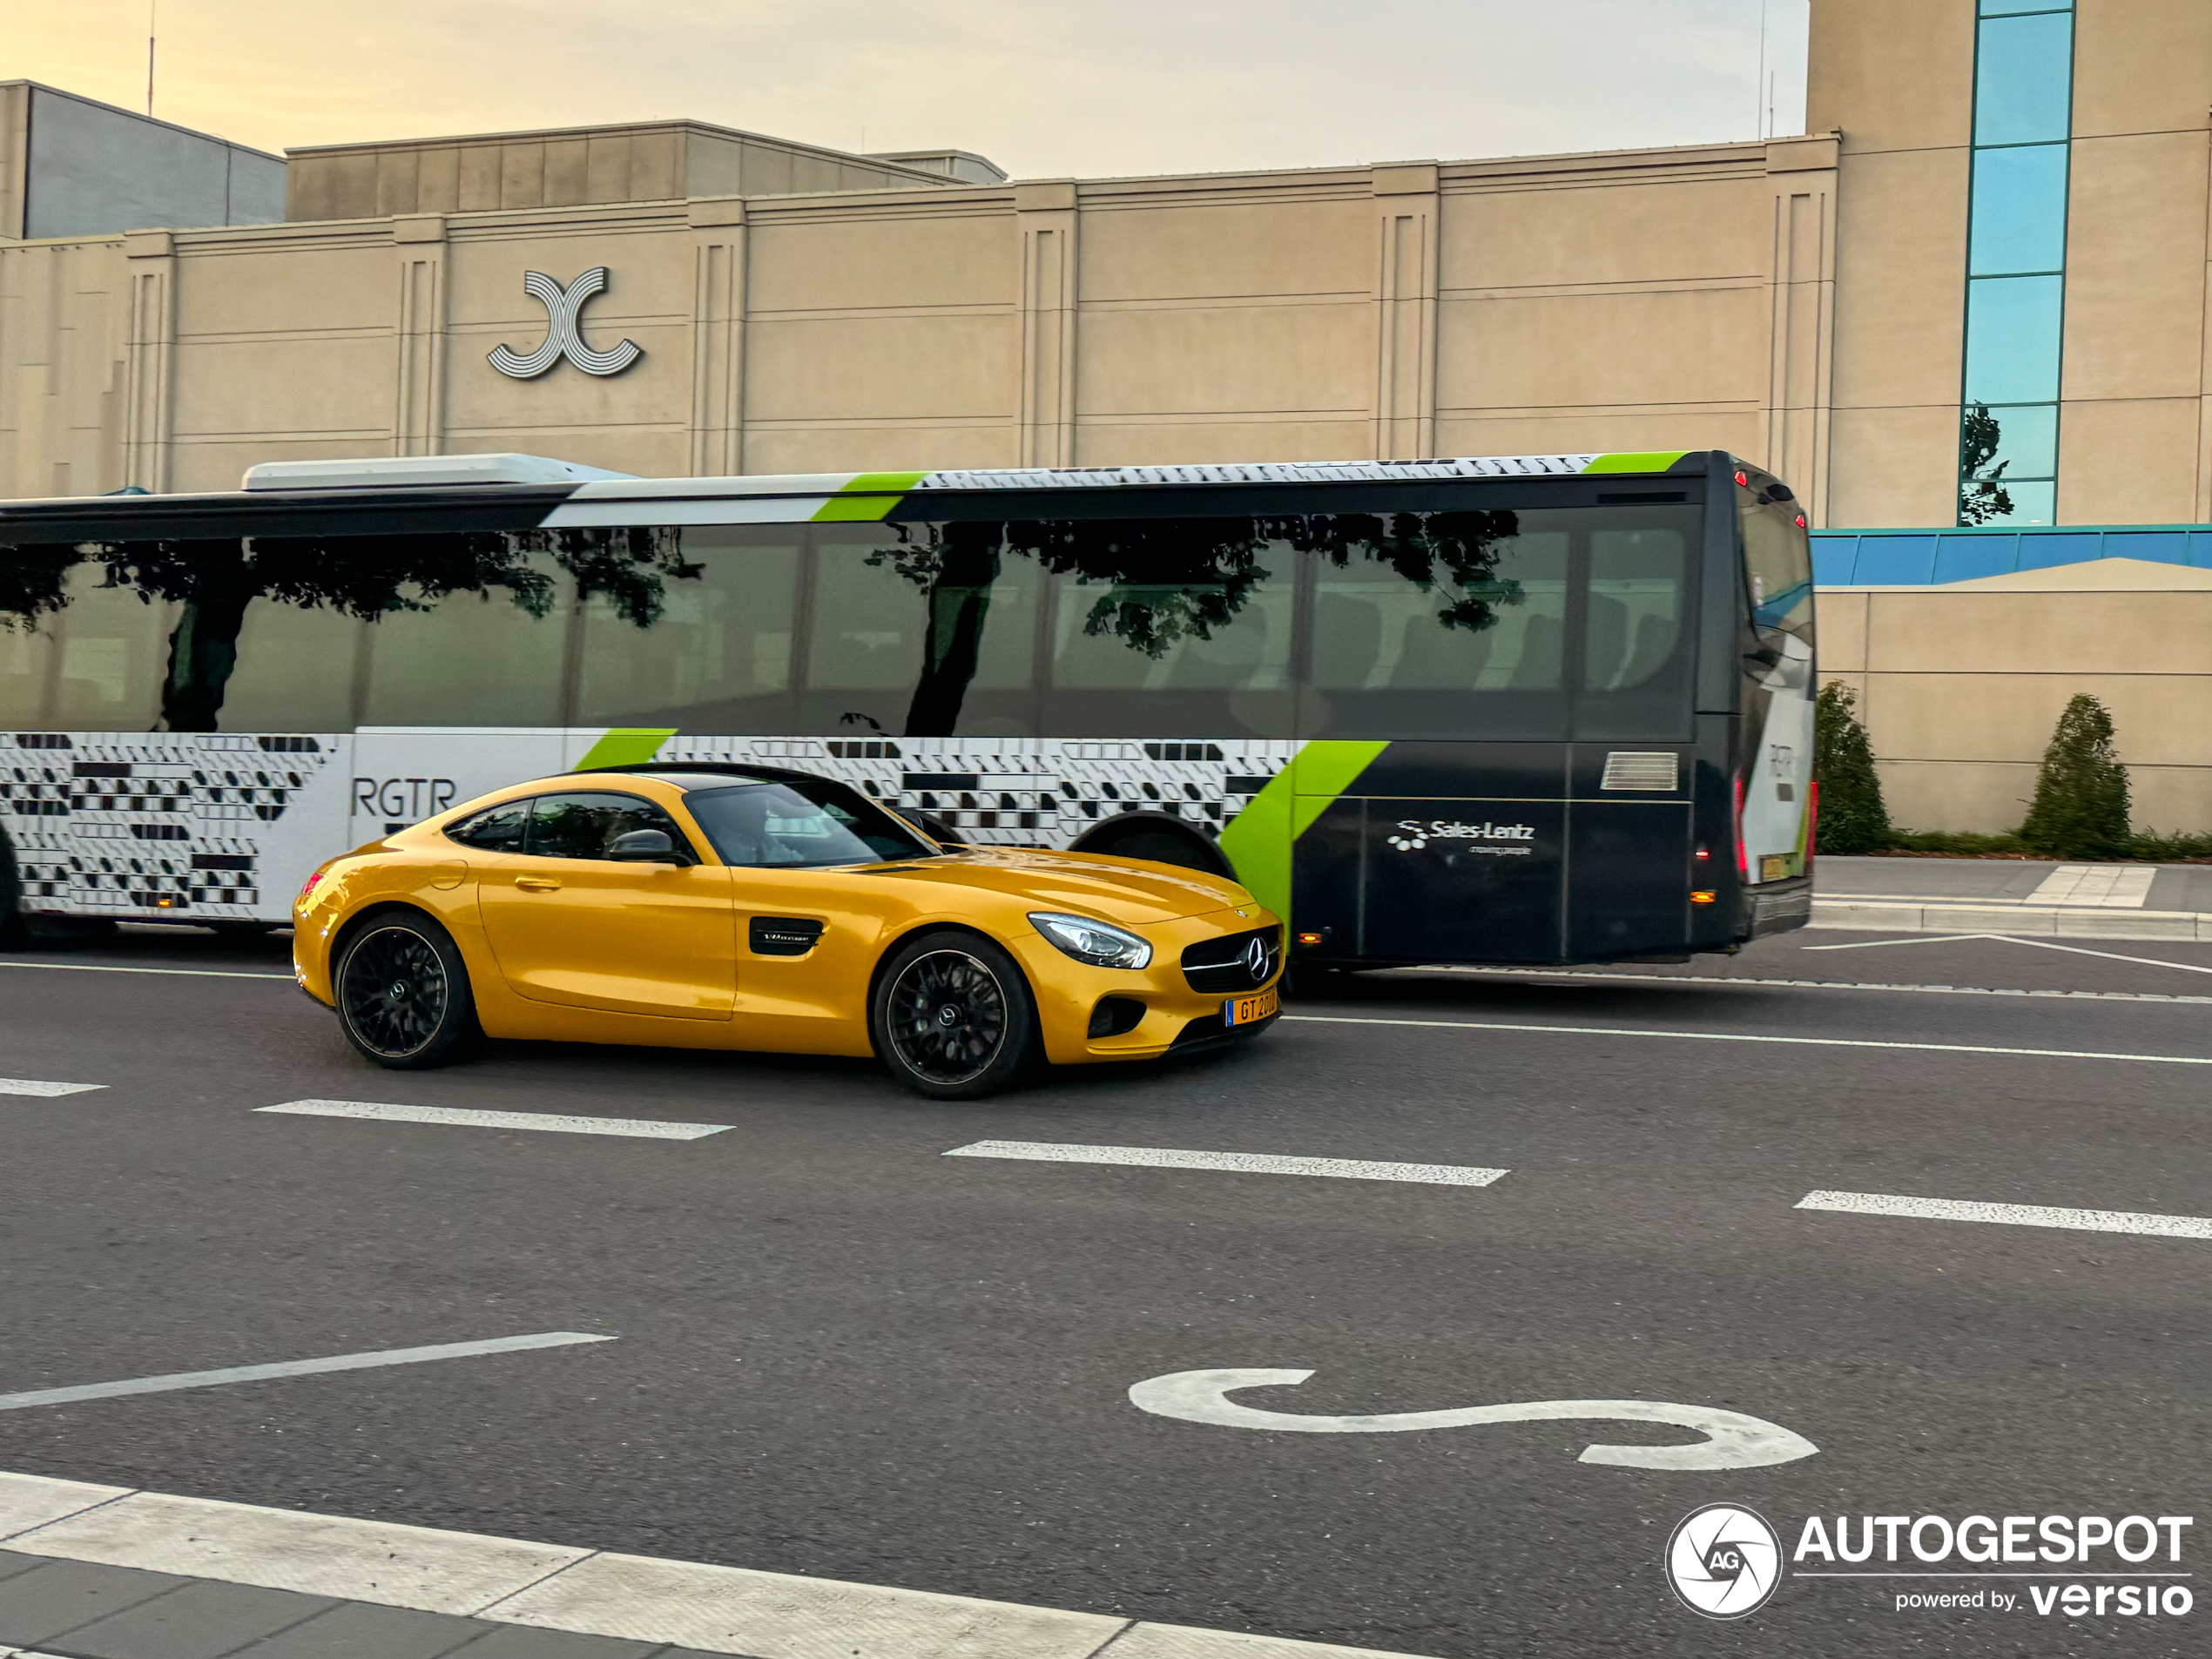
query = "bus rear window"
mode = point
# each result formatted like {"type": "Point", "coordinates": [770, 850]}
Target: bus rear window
{"type": "Point", "coordinates": [1777, 560]}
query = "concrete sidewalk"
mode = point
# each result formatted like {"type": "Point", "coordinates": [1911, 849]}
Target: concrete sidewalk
{"type": "Point", "coordinates": [94, 1572]}
{"type": "Point", "coordinates": [2014, 896]}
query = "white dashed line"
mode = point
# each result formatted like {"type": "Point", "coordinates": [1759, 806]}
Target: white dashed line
{"type": "Point", "coordinates": [2010, 1215]}
{"type": "Point", "coordinates": [177, 972]}
{"type": "Point", "coordinates": [1737, 1037]}
{"type": "Point", "coordinates": [647, 1129]}
{"type": "Point", "coordinates": [1816, 984]}
{"type": "Point", "coordinates": [295, 1368]}
{"type": "Point", "coordinates": [27, 1085]}
{"type": "Point", "coordinates": [1441, 1175]}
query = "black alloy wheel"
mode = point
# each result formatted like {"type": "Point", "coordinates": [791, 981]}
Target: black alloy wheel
{"type": "Point", "coordinates": [403, 995]}
{"type": "Point", "coordinates": [954, 1018]}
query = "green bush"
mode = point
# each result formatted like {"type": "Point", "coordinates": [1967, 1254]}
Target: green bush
{"type": "Point", "coordinates": [1965, 844]}
{"type": "Point", "coordinates": [1852, 817]}
{"type": "Point", "coordinates": [2153, 849]}
{"type": "Point", "coordinates": [2080, 805]}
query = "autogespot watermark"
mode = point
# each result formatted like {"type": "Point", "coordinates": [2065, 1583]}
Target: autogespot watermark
{"type": "Point", "coordinates": [1724, 1561]}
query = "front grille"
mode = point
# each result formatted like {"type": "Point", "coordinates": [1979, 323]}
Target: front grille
{"type": "Point", "coordinates": [1221, 966]}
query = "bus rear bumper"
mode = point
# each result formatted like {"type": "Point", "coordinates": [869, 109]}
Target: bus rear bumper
{"type": "Point", "coordinates": [1774, 908]}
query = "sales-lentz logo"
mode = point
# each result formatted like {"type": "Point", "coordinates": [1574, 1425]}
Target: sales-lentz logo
{"type": "Point", "coordinates": [1724, 1561]}
{"type": "Point", "coordinates": [1413, 835]}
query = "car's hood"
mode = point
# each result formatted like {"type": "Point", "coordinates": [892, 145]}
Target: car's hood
{"type": "Point", "coordinates": [1124, 890]}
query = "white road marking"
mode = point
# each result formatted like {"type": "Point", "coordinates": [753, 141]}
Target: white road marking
{"type": "Point", "coordinates": [1813, 984]}
{"type": "Point", "coordinates": [2011, 1215]}
{"type": "Point", "coordinates": [1736, 1036]}
{"type": "Point", "coordinates": [1442, 1174]}
{"type": "Point", "coordinates": [649, 1129]}
{"type": "Point", "coordinates": [27, 1086]}
{"type": "Point", "coordinates": [561, 1586]}
{"type": "Point", "coordinates": [1733, 1441]}
{"type": "Point", "coordinates": [295, 1368]}
{"type": "Point", "coordinates": [181, 973]}
{"type": "Point", "coordinates": [2105, 886]}
{"type": "Point", "coordinates": [1912, 939]}
{"type": "Point", "coordinates": [2016, 939]}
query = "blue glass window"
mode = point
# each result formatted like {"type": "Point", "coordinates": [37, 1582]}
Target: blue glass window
{"type": "Point", "coordinates": [2013, 339]}
{"type": "Point", "coordinates": [1895, 560]}
{"type": "Point", "coordinates": [2040, 552]}
{"type": "Point", "coordinates": [2024, 79]}
{"type": "Point", "coordinates": [2006, 8]}
{"type": "Point", "coordinates": [2033, 501]}
{"type": "Point", "coordinates": [1962, 558]}
{"type": "Point", "coordinates": [2029, 439]}
{"type": "Point", "coordinates": [2019, 213]}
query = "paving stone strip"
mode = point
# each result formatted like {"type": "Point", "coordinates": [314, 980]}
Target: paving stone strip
{"type": "Point", "coordinates": [97, 1572]}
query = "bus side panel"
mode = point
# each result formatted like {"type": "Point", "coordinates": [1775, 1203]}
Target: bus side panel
{"type": "Point", "coordinates": [1441, 852]}
{"type": "Point", "coordinates": [172, 826]}
{"type": "Point", "coordinates": [1631, 861]}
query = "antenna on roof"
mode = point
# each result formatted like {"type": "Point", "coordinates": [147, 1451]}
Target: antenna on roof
{"type": "Point", "coordinates": [153, 9]}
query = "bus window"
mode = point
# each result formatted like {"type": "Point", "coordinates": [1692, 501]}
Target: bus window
{"type": "Point", "coordinates": [1777, 561]}
{"type": "Point", "coordinates": [1395, 623]}
{"type": "Point", "coordinates": [1169, 627]}
{"type": "Point", "coordinates": [26, 660]}
{"type": "Point", "coordinates": [114, 652]}
{"type": "Point", "coordinates": [1635, 605]}
{"type": "Point", "coordinates": [719, 656]}
{"type": "Point", "coordinates": [921, 630]}
{"type": "Point", "coordinates": [294, 671]}
{"type": "Point", "coordinates": [476, 658]}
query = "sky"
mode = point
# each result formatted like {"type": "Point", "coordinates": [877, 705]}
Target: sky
{"type": "Point", "coordinates": [1046, 88]}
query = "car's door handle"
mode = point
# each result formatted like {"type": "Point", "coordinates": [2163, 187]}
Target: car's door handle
{"type": "Point", "coordinates": [538, 884]}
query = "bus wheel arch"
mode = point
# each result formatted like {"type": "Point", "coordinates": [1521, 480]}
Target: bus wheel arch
{"type": "Point", "coordinates": [1159, 837]}
{"type": "Point", "coordinates": [14, 927]}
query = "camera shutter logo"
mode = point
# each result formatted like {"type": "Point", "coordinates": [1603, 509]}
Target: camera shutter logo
{"type": "Point", "coordinates": [1723, 1561]}
{"type": "Point", "coordinates": [563, 338]}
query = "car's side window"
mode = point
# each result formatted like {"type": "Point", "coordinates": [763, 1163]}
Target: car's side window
{"type": "Point", "coordinates": [586, 826]}
{"type": "Point", "coordinates": [498, 829]}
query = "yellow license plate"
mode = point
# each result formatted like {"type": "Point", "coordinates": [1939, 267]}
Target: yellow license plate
{"type": "Point", "coordinates": [1774, 869]}
{"type": "Point", "coordinates": [1243, 1011]}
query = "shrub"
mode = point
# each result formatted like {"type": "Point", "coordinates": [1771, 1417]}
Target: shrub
{"type": "Point", "coordinates": [2080, 805]}
{"type": "Point", "coordinates": [1965, 844]}
{"type": "Point", "coordinates": [1852, 817]}
{"type": "Point", "coordinates": [2153, 849]}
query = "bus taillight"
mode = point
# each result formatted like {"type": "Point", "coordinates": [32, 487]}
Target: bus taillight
{"type": "Point", "coordinates": [1812, 820]}
{"type": "Point", "coordinates": [1743, 853]}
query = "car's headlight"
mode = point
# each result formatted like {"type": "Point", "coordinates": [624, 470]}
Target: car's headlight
{"type": "Point", "coordinates": [1099, 943]}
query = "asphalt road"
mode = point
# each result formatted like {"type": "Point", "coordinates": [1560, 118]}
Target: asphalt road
{"type": "Point", "coordinates": [842, 1353]}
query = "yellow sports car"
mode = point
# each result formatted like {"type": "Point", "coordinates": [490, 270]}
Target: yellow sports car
{"type": "Point", "coordinates": [723, 907]}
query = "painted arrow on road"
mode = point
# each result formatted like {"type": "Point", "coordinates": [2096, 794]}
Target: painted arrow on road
{"type": "Point", "coordinates": [1733, 1439]}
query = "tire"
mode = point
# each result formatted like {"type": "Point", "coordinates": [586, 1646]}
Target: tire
{"type": "Point", "coordinates": [403, 995]}
{"type": "Point", "coordinates": [14, 927]}
{"type": "Point", "coordinates": [952, 1018]}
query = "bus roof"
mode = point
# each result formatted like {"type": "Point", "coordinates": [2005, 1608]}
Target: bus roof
{"type": "Point", "coordinates": [502, 490]}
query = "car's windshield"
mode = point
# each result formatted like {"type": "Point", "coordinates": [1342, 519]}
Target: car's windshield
{"type": "Point", "coordinates": [802, 822]}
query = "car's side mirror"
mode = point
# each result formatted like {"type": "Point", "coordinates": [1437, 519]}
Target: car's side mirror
{"type": "Point", "coordinates": [646, 847]}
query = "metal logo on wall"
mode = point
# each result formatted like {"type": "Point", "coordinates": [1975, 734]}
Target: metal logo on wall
{"type": "Point", "coordinates": [563, 337]}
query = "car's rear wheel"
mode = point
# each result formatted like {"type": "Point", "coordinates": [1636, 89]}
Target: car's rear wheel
{"type": "Point", "coordinates": [952, 1017]}
{"type": "Point", "coordinates": [404, 993]}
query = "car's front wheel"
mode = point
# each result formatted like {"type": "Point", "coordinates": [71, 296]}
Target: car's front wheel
{"type": "Point", "coordinates": [952, 1017]}
{"type": "Point", "coordinates": [403, 995]}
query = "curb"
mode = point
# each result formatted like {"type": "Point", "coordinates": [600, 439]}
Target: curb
{"type": "Point", "coordinates": [587, 1592]}
{"type": "Point", "coordinates": [2046, 921]}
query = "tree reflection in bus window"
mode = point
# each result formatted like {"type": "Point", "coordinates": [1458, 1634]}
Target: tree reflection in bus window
{"type": "Point", "coordinates": [1635, 606]}
{"type": "Point", "coordinates": [472, 659]}
{"type": "Point", "coordinates": [1501, 628]}
{"type": "Point", "coordinates": [114, 651]}
{"type": "Point", "coordinates": [719, 656]}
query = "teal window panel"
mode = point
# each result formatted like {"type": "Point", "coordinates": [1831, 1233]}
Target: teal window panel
{"type": "Point", "coordinates": [2027, 439]}
{"type": "Point", "coordinates": [2035, 502]}
{"type": "Point", "coordinates": [2200, 548]}
{"type": "Point", "coordinates": [2018, 212]}
{"type": "Point", "coordinates": [2042, 552]}
{"type": "Point", "coordinates": [2007, 8]}
{"type": "Point", "coordinates": [2013, 325]}
{"type": "Point", "coordinates": [1834, 555]}
{"type": "Point", "coordinates": [1895, 560]}
{"type": "Point", "coordinates": [2161, 547]}
{"type": "Point", "coordinates": [2024, 78]}
{"type": "Point", "coordinates": [1961, 559]}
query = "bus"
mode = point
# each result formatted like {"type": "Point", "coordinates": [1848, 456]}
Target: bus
{"type": "Point", "coordinates": [1524, 709]}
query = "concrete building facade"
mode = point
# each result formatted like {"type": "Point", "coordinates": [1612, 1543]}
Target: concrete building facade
{"type": "Point", "coordinates": [1835, 306]}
